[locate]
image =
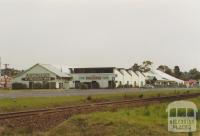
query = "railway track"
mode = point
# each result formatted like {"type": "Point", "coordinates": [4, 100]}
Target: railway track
{"type": "Point", "coordinates": [21, 114]}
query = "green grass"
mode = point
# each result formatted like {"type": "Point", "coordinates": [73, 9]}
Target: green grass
{"type": "Point", "coordinates": [18, 104]}
{"type": "Point", "coordinates": [142, 121]}
{"type": "Point", "coordinates": [11, 105]}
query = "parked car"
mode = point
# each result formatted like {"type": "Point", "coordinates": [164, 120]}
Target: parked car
{"type": "Point", "coordinates": [148, 86]}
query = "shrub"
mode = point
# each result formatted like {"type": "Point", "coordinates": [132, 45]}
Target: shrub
{"type": "Point", "coordinates": [120, 86]}
{"type": "Point", "coordinates": [127, 112]}
{"type": "Point", "coordinates": [37, 86]}
{"type": "Point", "coordinates": [89, 98]}
{"type": "Point", "coordinates": [187, 91]}
{"type": "Point", "coordinates": [141, 96]}
{"type": "Point", "coordinates": [147, 112]}
{"type": "Point", "coordinates": [125, 96]}
{"type": "Point", "coordinates": [19, 86]}
{"type": "Point", "coordinates": [83, 86]}
{"type": "Point", "coordinates": [126, 86]}
{"type": "Point", "coordinates": [95, 85]}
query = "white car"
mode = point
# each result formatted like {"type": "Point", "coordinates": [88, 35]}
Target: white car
{"type": "Point", "coordinates": [148, 86]}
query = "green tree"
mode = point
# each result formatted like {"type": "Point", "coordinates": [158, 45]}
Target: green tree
{"type": "Point", "coordinates": [185, 76]}
{"type": "Point", "coordinates": [135, 67]}
{"type": "Point", "coordinates": [194, 74]}
{"type": "Point", "coordinates": [177, 72]}
{"type": "Point", "coordinates": [146, 66]}
{"type": "Point", "coordinates": [165, 69]}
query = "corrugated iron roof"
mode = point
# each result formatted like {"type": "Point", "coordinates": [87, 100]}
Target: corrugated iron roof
{"type": "Point", "coordinates": [54, 70]}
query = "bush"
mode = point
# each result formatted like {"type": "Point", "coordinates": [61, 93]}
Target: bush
{"type": "Point", "coordinates": [19, 86]}
{"type": "Point", "coordinates": [95, 85]}
{"type": "Point", "coordinates": [127, 86]}
{"type": "Point", "coordinates": [141, 96]}
{"type": "Point", "coordinates": [37, 86]}
{"type": "Point", "coordinates": [120, 86]}
{"type": "Point", "coordinates": [147, 112]}
{"type": "Point", "coordinates": [83, 86]}
{"type": "Point", "coordinates": [112, 84]}
{"type": "Point", "coordinates": [187, 91]}
{"type": "Point", "coordinates": [89, 98]}
{"type": "Point", "coordinates": [125, 96]}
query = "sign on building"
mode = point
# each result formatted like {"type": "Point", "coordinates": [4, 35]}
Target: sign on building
{"type": "Point", "coordinates": [37, 77]}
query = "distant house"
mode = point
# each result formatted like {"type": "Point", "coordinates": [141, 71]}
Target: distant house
{"type": "Point", "coordinates": [5, 81]}
{"type": "Point", "coordinates": [192, 83]}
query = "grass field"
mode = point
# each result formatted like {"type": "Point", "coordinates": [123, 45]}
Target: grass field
{"type": "Point", "coordinates": [18, 104]}
{"type": "Point", "coordinates": [143, 121]}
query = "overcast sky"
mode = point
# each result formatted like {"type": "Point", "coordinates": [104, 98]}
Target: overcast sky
{"type": "Point", "coordinates": [100, 32]}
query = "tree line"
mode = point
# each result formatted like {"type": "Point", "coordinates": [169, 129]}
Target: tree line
{"type": "Point", "coordinates": [176, 71]}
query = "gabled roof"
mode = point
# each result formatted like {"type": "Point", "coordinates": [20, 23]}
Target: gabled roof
{"type": "Point", "coordinates": [48, 67]}
{"type": "Point", "coordinates": [136, 73]}
{"type": "Point", "coordinates": [159, 75]}
{"type": "Point", "coordinates": [123, 71]}
{"type": "Point", "coordinates": [153, 74]}
{"type": "Point", "coordinates": [63, 68]}
{"type": "Point", "coordinates": [169, 77]}
{"type": "Point", "coordinates": [54, 70]}
{"type": "Point", "coordinates": [128, 72]}
{"type": "Point", "coordinates": [119, 69]}
{"type": "Point", "coordinates": [131, 72]}
{"type": "Point", "coordinates": [139, 73]}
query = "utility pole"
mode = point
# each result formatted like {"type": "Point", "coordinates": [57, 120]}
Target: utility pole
{"type": "Point", "coordinates": [6, 69]}
{"type": "Point", "coordinates": [0, 66]}
{"type": "Point", "coordinates": [5, 74]}
{"type": "Point", "coordinates": [6, 66]}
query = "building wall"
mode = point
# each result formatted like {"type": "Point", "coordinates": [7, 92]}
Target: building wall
{"type": "Point", "coordinates": [101, 78]}
{"type": "Point", "coordinates": [127, 77]}
{"type": "Point", "coordinates": [119, 79]}
{"type": "Point", "coordinates": [134, 78]}
{"type": "Point", "coordinates": [141, 79]}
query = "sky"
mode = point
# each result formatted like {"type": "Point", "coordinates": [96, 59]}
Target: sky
{"type": "Point", "coordinates": [90, 33]}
